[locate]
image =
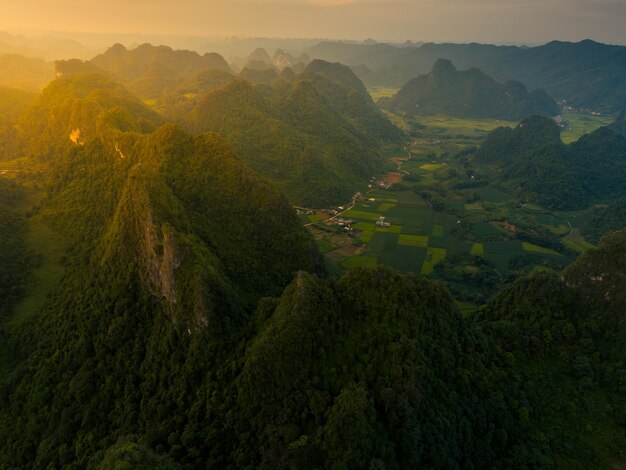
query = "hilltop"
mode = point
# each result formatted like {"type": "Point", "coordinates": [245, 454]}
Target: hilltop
{"type": "Point", "coordinates": [149, 70]}
{"type": "Point", "coordinates": [559, 176]}
{"type": "Point", "coordinates": [468, 94]}
{"type": "Point", "coordinates": [318, 137]}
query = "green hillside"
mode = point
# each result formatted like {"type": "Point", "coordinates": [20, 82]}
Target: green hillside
{"type": "Point", "coordinates": [468, 94]}
{"type": "Point", "coordinates": [315, 138]}
{"type": "Point", "coordinates": [559, 176]}
{"type": "Point", "coordinates": [149, 71]}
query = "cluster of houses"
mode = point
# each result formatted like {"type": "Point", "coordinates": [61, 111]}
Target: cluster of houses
{"type": "Point", "coordinates": [381, 223]}
{"type": "Point", "coordinates": [305, 212]}
{"type": "Point", "coordinates": [378, 183]}
{"type": "Point", "coordinates": [343, 224]}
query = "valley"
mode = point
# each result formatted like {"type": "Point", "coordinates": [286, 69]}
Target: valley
{"type": "Point", "coordinates": [308, 255]}
{"type": "Point", "coordinates": [451, 217]}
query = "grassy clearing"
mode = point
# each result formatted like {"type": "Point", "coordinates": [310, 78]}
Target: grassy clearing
{"type": "Point", "coordinates": [325, 246]}
{"type": "Point", "coordinates": [478, 249]}
{"type": "Point", "coordinates": [438, 230]}
{"type": "Point", "coordinates": [392, 229]}
{"type": "Point", "coordinates": [384, 207]}
{"type": "Point", "coordinates": [474, 206]}
{"type": "Point", "coordinates": [539, 249]}
{"type": "Point", "coordinates": [314, 218]}
{"type": "Point", "coordinates": [576, 243]}
{"type": "Point", "coordinates": [382, 92]}
{"type": "Point", "coordinates": [580, 124]}
{"type": "Point", "coordinates": [433, 256]}
{"type": "Point", "coordinates": [366, 236]}
{"type": "Point", "coordinates": [431, 166]}
{"type": "Point", "coordinates": [356, 214]}
{"type": "Point", "coordinates": [364, 226]}
{"type": "Point", "coordinates": [465, 308]}
{"type": "Point", "coordinates": [358, 262]}
{"type": "Point", "coordinates": [413, 240]}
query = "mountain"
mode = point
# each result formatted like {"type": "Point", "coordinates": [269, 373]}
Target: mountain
{"type": "Point", "coordinates": [168, 243]}
{"type": "Point", "coordinates": [558, 176]}
{"type": "Point", "coordinates": [605, 219]}
{"type": "Point", "coordinates": [318, 137]}
{"type": "Point", "coordinates": [260, 55]}
{"type": "Point", "coordinates": [587, 74]}
{"type": "Point", "coordinates": [468, 94]}
{"type": "Point", "coordinates": [24, 73]}
{"type": "Point", "coordinates": [565, 336]}
{"type": "Point", "coordinates": [149, 70]}
{"type": "Point", "coordinates": [258, 75]}
{"type": "Point", "coordinates": [619, 125]}
{"type": "Point", "coordinates": [78, 109]}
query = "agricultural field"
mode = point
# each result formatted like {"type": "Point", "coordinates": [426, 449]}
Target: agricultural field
{"type": "Point", "coordinates": [449, 222]}
{"type": "Point", "coordinates": [577, 124]}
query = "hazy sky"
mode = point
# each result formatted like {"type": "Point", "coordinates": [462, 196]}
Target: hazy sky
{"type": "Point", "coordinates": [529, 21]}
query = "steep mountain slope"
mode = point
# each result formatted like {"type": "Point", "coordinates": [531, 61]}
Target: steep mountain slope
{"type": "Point", "coordinates": [566, 336]}
{"type": "Point", "coordinates": [78, 109]}
{"type": "Point", "coordinates": [148, 70]}
{"type": "Point", "coordinates": [606, 219]}
{"type": "Point", "coordinates": [470, 94]}
{"type": "Point", "coordinates": [316, 138]}
{"type": "Point", "coordinates": [170, 241]}
{"type": "Point", "coordinates": [619, 125]}
{"type": "Point", "coordinates": [554, 174]}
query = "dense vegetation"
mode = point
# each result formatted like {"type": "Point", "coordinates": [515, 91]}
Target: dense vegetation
{"type": "Point", "coordinates": [149, 71]}
{"type": "Point", "coordinates": [606, 219]}
{"type": "Point", "coordinates": [193, 326]}
{"type": "Point", "coordinates": [468, 94]}
{"type": "Point", "coordinates": [15, 261]}
{"type": "Point", "coordinates": [619, 125]}
{"type": "Point", "coordinates": [319, 137]}
{"type": "Point", "coordinates": [559, 176]}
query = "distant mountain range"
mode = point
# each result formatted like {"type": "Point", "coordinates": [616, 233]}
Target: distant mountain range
{"type": "Point", "coordinates": [586, 74]}
{"type": "Point", "coordinates": [558, 176]}
{"type": "Point", "coordinates": [150, 70]}
{"type": "Point", "coordinates": [469, 94]}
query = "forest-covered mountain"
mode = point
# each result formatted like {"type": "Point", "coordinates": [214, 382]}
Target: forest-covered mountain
{"type": "Point", "coordinates": [558, 176]}
{"type": "Point", "coordinates": [25, 73]}
{"type": "Point", "coordinates": [619, 125]}
{"type": "Point", "coordinates": [605, 219]}
{"type": "Point", "coordinates": [469, 94]}
{"type": "Point", "coordinates": [149, 70]}
{"type": "Point", "coordinates": [167, 341]}
{"type": "Point", "coordinates": [587, 74]}
{"type": "Point", "coordinates": [318, 136]}
{"type": "Point", "coordinates": [162, 306]}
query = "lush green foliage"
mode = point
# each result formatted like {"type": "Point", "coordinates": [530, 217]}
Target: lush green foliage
{"type": "Point", "coordinates": [171, 341]}
{"type": "Point", "coordinates": [149, 70]}
{"type": "Point", "coordinates": [606, 219]}
{"type": "Point", "coordinates": [469, 94]}
{"type": "Point", "coordinates": [556, 175]}
{"type": "Point", "coordinates": [15, 261]}
{"type": "Point", "coordinates": [317, 139]}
